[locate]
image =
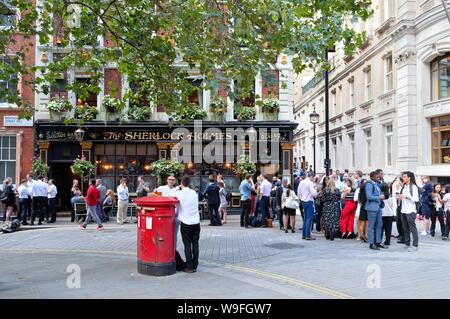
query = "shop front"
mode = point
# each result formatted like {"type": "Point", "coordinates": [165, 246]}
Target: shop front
{"type": "Point", "coordinates": [129, 149]}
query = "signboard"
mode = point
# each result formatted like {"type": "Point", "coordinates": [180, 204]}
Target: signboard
{"type": "Point", "coordinates": [13, 120]}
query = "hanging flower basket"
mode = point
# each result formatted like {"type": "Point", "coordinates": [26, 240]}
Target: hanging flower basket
{"type": "Point", "coordinates": [140, 113]}
{"type": "Point", "coordinates": [218, 108]}
{"type": "Point", "coordinates": [112, 104]}
{"type": "Point", "coordinates": [270, 109]}
{"type": "Point", "coordinates": [245, 166]}
{"type": "Point", "coordinates": [82, 167]}
{"type": "Point", "coordinates": [189, 113]}
{"type": "Point", "coordinates": [165, 167]}
{"type": "Point", "coordinates": [38, 167]}
{"type": "Point", "coordinates": [245, 113]}
{"type": "Point", "coordinates": [57, 107]}
{"type": "Point", "coordinates": [86, 112]}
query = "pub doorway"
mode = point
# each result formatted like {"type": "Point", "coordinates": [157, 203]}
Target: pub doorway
{"type": "Point", "coordinates": [63, 177]}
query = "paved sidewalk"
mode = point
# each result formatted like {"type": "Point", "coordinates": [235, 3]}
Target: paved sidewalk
{"type": "Point", "coordinates": [235, 263]}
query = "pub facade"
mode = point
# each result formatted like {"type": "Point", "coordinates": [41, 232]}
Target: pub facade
{"type": "Point", "coordinates": [123, 147]}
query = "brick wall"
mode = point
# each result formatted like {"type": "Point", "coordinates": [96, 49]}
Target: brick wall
{"type": "Point", "coordinates": [113, 83]}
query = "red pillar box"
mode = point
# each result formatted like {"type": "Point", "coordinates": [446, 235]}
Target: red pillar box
{"type": "Point", "coordinates": [156, 235]}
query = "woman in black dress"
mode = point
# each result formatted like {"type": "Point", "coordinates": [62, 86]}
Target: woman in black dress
{"type": "Point", "coordinates": [331, 210]}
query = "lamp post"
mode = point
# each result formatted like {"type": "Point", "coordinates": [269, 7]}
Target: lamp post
{"type": "Point", "coordinates": [327, 118]}
{"type": "Point", "coordinates": [314, 119]}
{"type": "Point", "coordinates": [79, 134]}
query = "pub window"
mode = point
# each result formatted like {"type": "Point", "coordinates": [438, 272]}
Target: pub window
{"type": "Point", "coordinates": [59, 88]}
{"type": "Point", "coordinates": [125, 160]}
{"type": "Point", "coordinates": [440, 78]}
{"type": "Point", "coordinates": [249, 99]}
{"type": "Point", "coordinates": [440, 139]}
{"type": "Point", "coordinates": [7, 85]}
{"type": "Point", "coordinates": [196, 96]}
{"type": "Point", "coordinates": [91, 98]}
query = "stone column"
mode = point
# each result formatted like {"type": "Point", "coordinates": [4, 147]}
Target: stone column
{"type": "Point", "coordinates": [43, 150]}
{"type": "Point", "coordinates": [287, 160]}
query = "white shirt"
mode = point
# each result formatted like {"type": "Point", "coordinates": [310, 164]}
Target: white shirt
{"type": "Point", "coordinates": [188, 207]}
{"type": "Point", "coordinates": [306, 190]}
{"type": "Point", "coordinates": [356, 199]}
{"type": "Point", "coordinates": [122, 192]}
{"type": "Point", "coordinates": [23, 191]}
{"type": "Point", "coordinates": [409, 203]}
{"type": "Point", "coordinates": [167, 191]}
{"type": "Point", "coordinates": [30, 184]}
{"type": "Point", "coordinates": [446, 200]}
{"type": "Point", "coordinates": [387, 210]}
{"type": "Point", "coordinates": [39, 189]}
{"type": "Point", "coordinates": [52, 191]}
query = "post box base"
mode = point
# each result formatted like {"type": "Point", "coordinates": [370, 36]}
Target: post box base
{"type": "Point", "coordinates": [152, 269]}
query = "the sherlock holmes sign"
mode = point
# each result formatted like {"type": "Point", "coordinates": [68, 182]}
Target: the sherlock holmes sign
{"type": "Point", "coordinates": [177, 134]}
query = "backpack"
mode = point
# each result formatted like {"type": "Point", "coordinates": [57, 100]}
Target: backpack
{"type": "Point", "coordinates": [362, 195]}
{"type": "Point", "coordinates": [228, 196]}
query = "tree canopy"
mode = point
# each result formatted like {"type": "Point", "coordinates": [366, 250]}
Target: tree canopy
{"type": "Point", "coordinates": [156, 43]}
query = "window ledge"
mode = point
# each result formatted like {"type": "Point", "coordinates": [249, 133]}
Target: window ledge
{"type": "Point", "coordinates": [387, 94]}
{"type": "Point", "coordinates": [366, 104]}
{"type": "Point", "coordinates": [350, 111]}
{"type": "Point", "coordinates": [385, 25]}
{"type": "Point", "coordinates": [4, 105]}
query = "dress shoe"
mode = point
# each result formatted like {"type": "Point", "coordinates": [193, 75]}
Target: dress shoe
{"type": "Point", "coordinates": [374, 247]}
{"type": "Point", "coordinates": [400, 242]}
{"type": "Point", "coordinates": [382, 246]}
{"type": "Point", "coordinates": [310, 238]}
{"type": "Point", "coordinates": [40, 223]}
{"type": "Point", "coordinates": [189, 271]}
{"type": "Point", "coordinates": [24, 223]}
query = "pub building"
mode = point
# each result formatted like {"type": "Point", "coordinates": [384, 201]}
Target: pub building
{"type": "Point", "coordinates": [128, 148]}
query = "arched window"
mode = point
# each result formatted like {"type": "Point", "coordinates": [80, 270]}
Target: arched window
{"type": "Point", "coordinates": [440, 78]}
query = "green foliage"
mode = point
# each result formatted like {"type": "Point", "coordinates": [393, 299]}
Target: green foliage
{"type": "Point", "coordinates": [245, 166]}
{"type": "Point", "coordinates": [164, 167]}
{"type": "Point", "coordinates": [140, 113]}
{"type": "Point", "coordinates": [59, 105]}
{"type": "Point", "coordinates": [39, 168]}
{"type": "Point", "coordinates": [112, 104]}
{"type": "Point", "coordinates": [245, 113]}
{"type": "Point", "coordinates": [85, 112]}
{"type": "Point", "coordinates": [82, 167]}
{"type": "Point", "coordinates": [146, 39]}
{"type": "Point", "coordinates": [188, 113]}
{"type": "Point", "coordinates": [270, 105]}
{"type": "Point", "coordinates": [218, 106]}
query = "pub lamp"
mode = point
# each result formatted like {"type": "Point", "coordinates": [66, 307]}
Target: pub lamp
{"type": "Point", "coordinates": [314, 117]}
{"type": "Point", "coordinates": [252, 133]}
{"type": "Point", "coordinates": [79, 134]}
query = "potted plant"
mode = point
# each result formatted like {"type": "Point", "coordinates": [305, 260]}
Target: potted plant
{"type": "Point", "coordinates": [245, 166]}
{"type": "Point", "coordinates": [86, 112]}
{"type": "Point", "coordinates": [165, 167]}
{"type": "Point", "coordinates": [82, 167]}
{"type": "Point", "coordinates": [189, 113]}
{"type": "Point", "coordinates": [113, 107]}
{"type": "Point", "coordinates": [270, 109]}
{"type": "Point", "coordinates": [38, 167]}
{"type": "Point", "coordinates": [57, 106]}
{"type": "Point", "coordinates": [140, 113]}
{"type": "Point", "coordinates": [245, 113]}
{"type": "Point", "coordinates": [218, 108]}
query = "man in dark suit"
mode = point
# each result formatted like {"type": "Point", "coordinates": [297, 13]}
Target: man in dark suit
{"type": "Point", "coordinates": [212, 195]}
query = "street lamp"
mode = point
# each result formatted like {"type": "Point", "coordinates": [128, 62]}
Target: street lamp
{"type": "Point", "coordinates": [314, 119]}
{"type": "Point", "coordinates": [79, 134]}
{"type": "Point", "coordinates": [327, 163]}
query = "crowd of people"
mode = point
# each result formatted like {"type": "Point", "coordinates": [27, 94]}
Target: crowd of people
{"type": "Point", "coordinates": [36, 198]}
{"type": "Point", "coordinates": [350, 206]}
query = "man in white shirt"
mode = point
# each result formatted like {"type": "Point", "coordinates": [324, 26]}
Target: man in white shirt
{"type": "Point", "coordinates": [306, 192]}
{"type": "Point", "coordinates": [409, 196]}
{"type": "Point", "coordinates": [189, 217]}
{"type": "Point", "coordinates": [265, 189]}
{"type": "Point", "coordinates": [52, 191]}
{"type": "Point", "coordinates": [24, 194]}
{"type": "Point", "coordinates": [39, 192]}
{"type": "Point", "coordinates": [122, 204]}
{"type": "Point", "coordinates": [169, 189]}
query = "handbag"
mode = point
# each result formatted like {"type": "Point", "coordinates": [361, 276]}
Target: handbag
{"type": "Point", "coordinates": [292, 203]}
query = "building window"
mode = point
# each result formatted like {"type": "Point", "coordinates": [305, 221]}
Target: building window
{"type": "Point", "coordinates": [90, 96]}
{"type": "Point", "coordinates": [7, 14]}
{"type": "Point", "coordinates": [388, 133]}
{"type": "Point", "coordinates": [334, 145]}
{"type": "Point", "coordinates": [440, 139]}
{"type": "Point", "coordinates": [351, 138]}
{"type": "Point", "coordinates": [7, 86]}
{"type": "Point", "coordinates": [7, 157]}
{"type": "Point", "coordinates": [130, 160]}
{"type": "Point", "coordinates": [333, 101]}
{"type": "Point", "coordinates": [386, 11]}
{"type": "Point", "coordinates": [440, 78]}
{"type": "Point", "coordinates": [196, 96]}
{"type": "Point", "coordinates": [368, 84]}
{"type": "Point", "coordinates": [368, 135]}
{"type": "Point", "coordinates": [352, 93]}
{"type": "Point", "coordinates": [388, 74]}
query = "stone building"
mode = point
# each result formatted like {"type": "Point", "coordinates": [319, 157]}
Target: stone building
{"type": "Point", "coordinates": [390, 101]}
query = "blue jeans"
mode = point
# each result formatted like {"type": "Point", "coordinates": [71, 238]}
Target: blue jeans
{"type": "Point", "coordinates": [92, 213]}
{"type": "Point", "coordinates": [375, 226]}
{"type": "Point", "coordinates": [309, 214]}
{"type": "Point", "coordinates": [264, 208]}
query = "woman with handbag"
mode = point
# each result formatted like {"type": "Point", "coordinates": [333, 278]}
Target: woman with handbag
{"type": "Point", "coordinates": [289, 203]}
{"type": "Point", "coordinates": [331, 208]}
